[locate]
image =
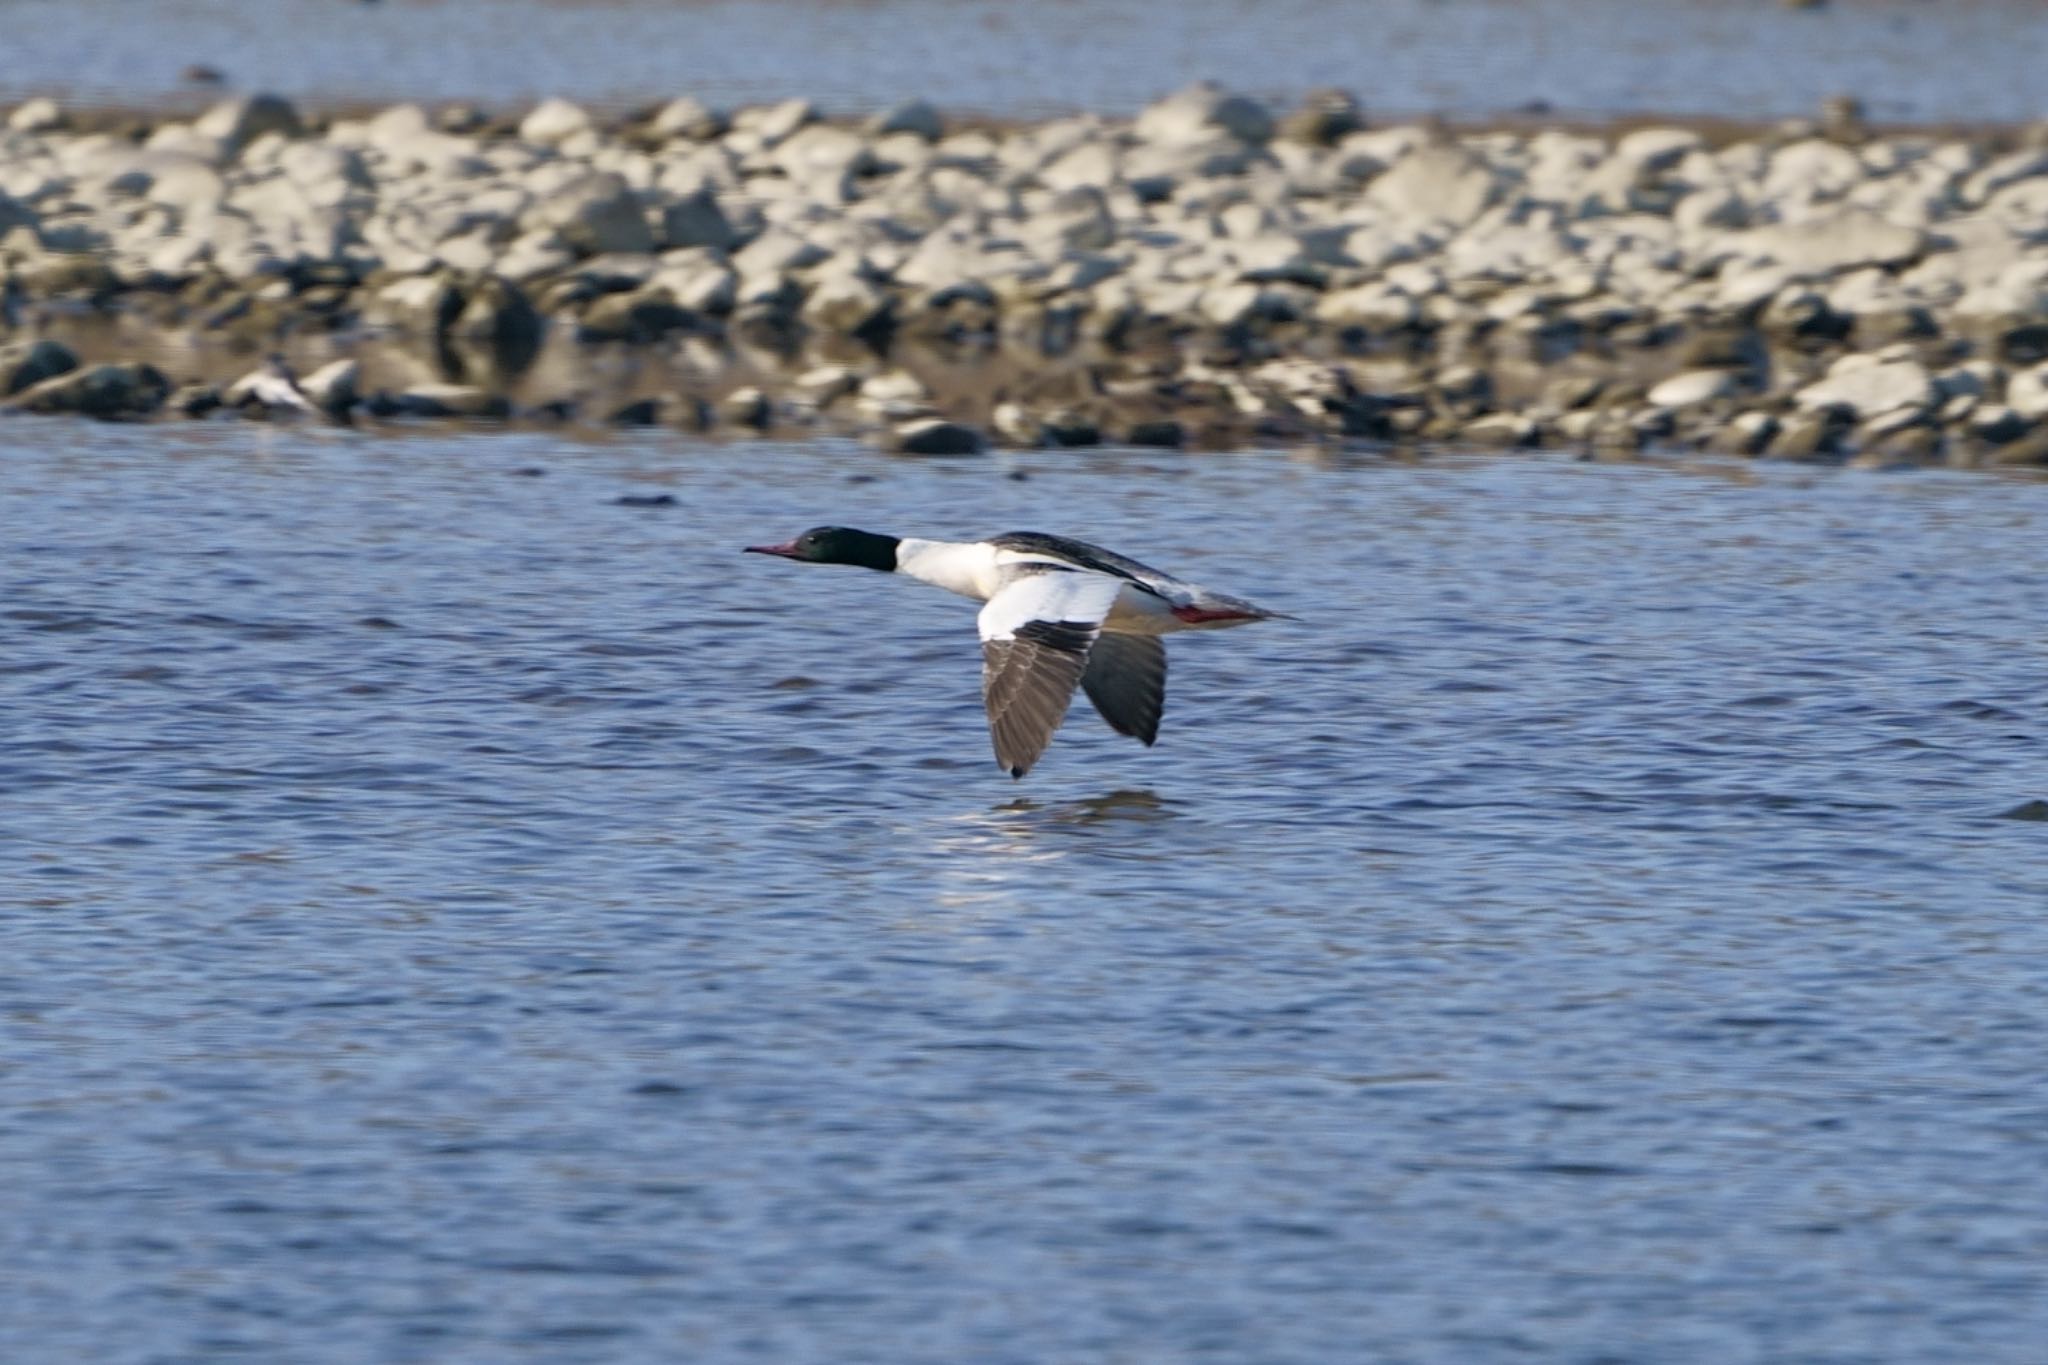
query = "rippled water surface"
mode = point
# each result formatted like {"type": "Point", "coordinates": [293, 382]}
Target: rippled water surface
{"type": "Point", "coordinates": [447, 914]}
{"type": "Point", "coordinates": [1907, 59]}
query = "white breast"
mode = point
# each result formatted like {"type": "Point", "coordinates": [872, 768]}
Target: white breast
{"type": "Point", "coordinates": [968, 568]}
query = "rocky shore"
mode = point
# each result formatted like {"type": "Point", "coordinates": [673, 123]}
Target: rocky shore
{"type": "Point", "coordinates": [1210, 274]}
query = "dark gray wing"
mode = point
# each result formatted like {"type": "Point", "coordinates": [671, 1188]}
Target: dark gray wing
{"type": "Point", "coordinates": [1126, 679]}
{"type": "Point", "coordinates": [1082, 555]}
{"type": "Point", "coordinates": [1035, 636]}
{"type": "Point", "coordinates": [1027, 682]}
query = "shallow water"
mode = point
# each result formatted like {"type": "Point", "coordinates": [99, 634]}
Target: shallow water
{"type": "Point", "coordinates": [1907, 59]}
{"type": "Point", "coordinates": [450, 915]}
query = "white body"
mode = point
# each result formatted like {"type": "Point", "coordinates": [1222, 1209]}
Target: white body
{"type": "Point", "coordinates": [979, 570]}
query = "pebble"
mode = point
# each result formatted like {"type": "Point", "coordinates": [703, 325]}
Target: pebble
{"type": "Point", "coordinates": [449, 400]}
{"type": "Point", "coordinates": [1163, 433]}
{"type": "Point", "coordinates": [24, 364]}
{"type": "Point", "coordinates": [333, 387]}
{"type": "Point", "coordinates": [2026, 393]}
{"type": "Point", "coordinates": [1692, 388]}
{"type": "Point", "coordinates": [934, 436]}
{"type": "Point", "coordinates": [1869, 386]}
{"type": "Point", "coordinates": [103, 391]}
{"type": "Point", "coordinates": [1858, 292]}
{"type": "Point", "coordinates": [553, 122]}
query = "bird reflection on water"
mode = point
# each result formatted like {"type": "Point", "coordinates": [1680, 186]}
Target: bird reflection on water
{"type": "Point", "coordinates": [1126, 805]}
{"type": "Point", "coordinates": [1000, 853]}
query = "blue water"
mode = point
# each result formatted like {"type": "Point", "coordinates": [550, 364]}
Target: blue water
{"type": "Point", "coordinates": [1908, 60]}
{"type": "Point", "coordinates": [448, 915]}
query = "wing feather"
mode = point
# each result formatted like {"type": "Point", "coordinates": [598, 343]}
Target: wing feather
{"type": "Point", "coordinates": [1126, 679]}
{"type": "Point", "coordinates": [1036, 634]}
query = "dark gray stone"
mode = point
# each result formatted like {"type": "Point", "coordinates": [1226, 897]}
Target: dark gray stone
{"type": "Point", "coordinates": [104, 391]}
{"type": "Point", "coordinates": [24, 364]}
{"type": "Point", "coordinates": [932, 436]}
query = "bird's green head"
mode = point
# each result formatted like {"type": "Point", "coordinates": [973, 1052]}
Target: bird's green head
{"type": "Point", "coordinates": [837, 545]}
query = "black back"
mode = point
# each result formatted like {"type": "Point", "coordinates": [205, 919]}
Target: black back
{"type": "Point", "coordinates": [1083, 555]}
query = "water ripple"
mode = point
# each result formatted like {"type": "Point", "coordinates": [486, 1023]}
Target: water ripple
{"type": "Point", "coordinates": [445, 919]}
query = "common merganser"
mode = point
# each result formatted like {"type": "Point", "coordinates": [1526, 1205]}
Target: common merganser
{"type": "Point", "coordinates": [1061, 613]}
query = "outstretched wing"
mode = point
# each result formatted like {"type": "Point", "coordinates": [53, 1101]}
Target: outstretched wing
{"type": "Point", "coordinates": [1126, 679]}
{"type": "Point", "coordinates": [1036, 633]}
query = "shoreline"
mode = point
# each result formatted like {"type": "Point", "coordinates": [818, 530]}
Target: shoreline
{"type": "Point", "coordinates": [1210, 274]}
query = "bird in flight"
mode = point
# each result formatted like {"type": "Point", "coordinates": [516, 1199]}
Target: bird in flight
{"type": "Point", "coordinates": [1060, 614]}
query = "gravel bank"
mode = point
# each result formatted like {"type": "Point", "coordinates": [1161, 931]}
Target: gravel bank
{"type": "Point", "coordinates": [1212, 273]}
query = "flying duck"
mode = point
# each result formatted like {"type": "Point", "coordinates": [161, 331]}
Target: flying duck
{"type": "Point", "coordinates": [1061, 613]}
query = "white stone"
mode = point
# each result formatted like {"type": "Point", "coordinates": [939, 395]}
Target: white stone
{"type": "Point", "coordinates": [2028, 164]}
{"type": "Point", "coordinates": [2027, 393]}
{"type": "Point", "coordinates": [2018, 290]}
{"type": "Point", "coordinates": [776, 122]}
{"type": "Point", "coordinates": [179, 256]}
{"type": "Point", "coordinates": [393, 124]}
{"type": "Point", "coordinates": [1092, 164]}
{"type": "Point", "coordinates": [768, 291]}
{"type": "Point", "coordinates": [596, 213]}
{"type": "Point", "coordinates": [327, 174]}
{"type": "Point", "coordinates": [1157, 169]}
{"type": "Point", "coordinates": [1838, 241]}
{"type": "Point", "coordinates": [182, 139]}
{"type": "Point", "coordinates": [1995, 421]}
{"type": "Point", "coordinates": [2023, 206]}
{"type": "Point", "coordinates": [238, 122]}
{"type": "Point", "coordinates": [1199, 112]}
{"type": "Point", "coordinates": [1709, 208]}
{"type": "Point", "coordinates": [826, 384]}
{"type": "Point", "coordinates": [1015, 424]}
{"type": "Point", "coordinates": [473, 253]}
{"type": "Point", "coordinates": [1869, 292]}
{"type": "Point", "coordinates": [416, 301]}
{"type": "Point", "coordinates": [688, 117]}
{"type": "Point", "coordinates": [706, 287]}
{"type": "Point", "coordinates": [1871, 387]}
{"type": "Point", "coordinates": [1443, 182]}
{"type": "Point", "coordinates": [1810, 171]}
{"type": "Point", "coordinates": [1509, 253]}
{"type": "Point", "coordinates": [533, 256]}
{"type": "Point", "coordinates": [1391, 244]}
{"type": "Point", "coordinates": [333, 386]}
{"type": "Point", "coordinates": [820, 153]}
{"type": "Point", "coordinates": [38, 115]}
{"type": "Point", "coordinates": [778, 250]}
{"type": "Point", "coordinates": [1657, 150]}
{"type": "Point", "coordinates": [553, 121]}
{"type": "Point", "coordinates": [844, 302]}
{"type": "Point", "coordinates": [1232, 305]}
{"type": "Point", "coordinates": [1634, 175]}
{"type": "Point", "coordinates": [892, 385]}
{"type": "Point", "coordinates": [184, 182]}
{"type": "Point", "coordinates": [1692, 388]}
{"type": "Point", "coordinates": [1557, 164]}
